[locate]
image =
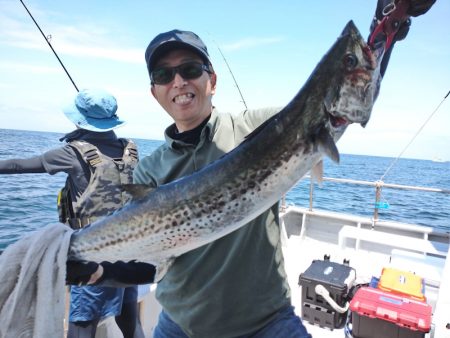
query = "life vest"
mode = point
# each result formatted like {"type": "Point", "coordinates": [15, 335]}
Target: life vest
{"type": "Point", "coordinates": [104, 193]}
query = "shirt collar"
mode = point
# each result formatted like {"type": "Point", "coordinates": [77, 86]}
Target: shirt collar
{"type": "Point", "coordinates": [206, 133]}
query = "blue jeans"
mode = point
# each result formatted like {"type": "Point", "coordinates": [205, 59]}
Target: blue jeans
{"type": "Point", "coordinates": [285, 325]}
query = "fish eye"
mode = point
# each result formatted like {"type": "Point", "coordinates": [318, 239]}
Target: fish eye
{"type": "Point", "coordinates": [350, 61]}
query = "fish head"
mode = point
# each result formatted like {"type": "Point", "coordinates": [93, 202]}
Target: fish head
{"type": "Point", "coordinates": [356, 82]}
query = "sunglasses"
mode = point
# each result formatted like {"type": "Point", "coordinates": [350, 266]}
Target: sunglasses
{"type": "Point", "coordinates": [188, 71]}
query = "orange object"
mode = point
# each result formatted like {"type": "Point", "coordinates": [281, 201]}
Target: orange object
{"type": "Point", "coordinates": [402, 283]}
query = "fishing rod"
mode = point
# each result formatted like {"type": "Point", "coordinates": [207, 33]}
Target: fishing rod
{"type": "Point", "coordinates": [232, 75]}
{"type": "Point", "coordinates": [47, 39]}
{"type": "Point", "coordinates": [413, 138]}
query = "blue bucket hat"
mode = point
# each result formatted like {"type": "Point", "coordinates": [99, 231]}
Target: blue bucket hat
{"type": "Point", "coordinates": [95, 110]}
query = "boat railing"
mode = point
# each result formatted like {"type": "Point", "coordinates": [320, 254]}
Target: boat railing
{"type": "Point", "coordinates": [378, 185]}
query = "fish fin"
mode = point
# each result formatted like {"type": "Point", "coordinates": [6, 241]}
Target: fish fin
{"type": "Point", "coordinates": [327, 145]}
{"type": "Point", "coordinates": [162, 268]}
{"type": "Point", "coordinates": [317, 172]}
{"type": "Point", "coordinates": [137, 191]}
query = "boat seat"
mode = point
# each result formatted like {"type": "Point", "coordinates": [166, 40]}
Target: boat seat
{"type": "Point", "coordinates": [392, 240]}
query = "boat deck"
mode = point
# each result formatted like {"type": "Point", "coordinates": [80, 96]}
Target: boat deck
{"type": "Point", "coordinates": [309, 235]}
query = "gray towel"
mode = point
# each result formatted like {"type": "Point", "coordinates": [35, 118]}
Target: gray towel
{"type": "Point", "coordinates": [32, 284]}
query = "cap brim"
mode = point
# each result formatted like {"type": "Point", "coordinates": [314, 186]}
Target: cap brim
{"type": "Point", "coordinates": [168, 46]}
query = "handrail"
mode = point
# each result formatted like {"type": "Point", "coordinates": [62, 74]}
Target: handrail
{"type": "Point", "coordinates": [377, 184]}
{"type": "Point", "coordinates": [384, 184]}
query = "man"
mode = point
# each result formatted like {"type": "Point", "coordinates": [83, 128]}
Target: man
{"type": "Point", "coordinates": [235, 286]}
{"type": "Point", "coordinates": [200, 292]}
{"type": "Point", "coordinates": [97, 163]}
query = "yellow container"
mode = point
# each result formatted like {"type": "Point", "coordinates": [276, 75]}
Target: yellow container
{"type": "Point", "coordinates": [402, 282]}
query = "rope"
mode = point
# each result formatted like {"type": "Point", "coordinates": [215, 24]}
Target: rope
{"type": "Point", "coordinates": [418, 132]}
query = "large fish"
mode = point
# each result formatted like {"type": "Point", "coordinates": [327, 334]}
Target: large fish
{"type": "Point", "coordinates": [222, 197]}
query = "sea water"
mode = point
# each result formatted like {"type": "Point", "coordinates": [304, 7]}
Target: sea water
{"type": "Point", "coordinates": [28, 201]}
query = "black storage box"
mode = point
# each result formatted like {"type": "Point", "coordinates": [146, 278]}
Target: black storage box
{"type": "Point", "coordinates": [337, 279]}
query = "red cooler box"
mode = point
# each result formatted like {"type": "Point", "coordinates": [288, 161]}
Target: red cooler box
{"type": "Point", "coordinates": [380, 314]}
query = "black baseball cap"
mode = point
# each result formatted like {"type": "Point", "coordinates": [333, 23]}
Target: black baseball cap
{"type": "Point", "coordinates": [164, 42]}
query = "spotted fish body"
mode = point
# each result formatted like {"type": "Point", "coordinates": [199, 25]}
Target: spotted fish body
{"type": "Point", "coordinates": [187, 213]}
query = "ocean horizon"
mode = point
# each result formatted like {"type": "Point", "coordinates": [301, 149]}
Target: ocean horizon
{"type": "Point", "coordinates": [28, 201]}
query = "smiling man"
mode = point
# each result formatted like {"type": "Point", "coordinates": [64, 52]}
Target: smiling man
{"type": "Point", "coordinates": [235, 286]}
{"type": "Point", "coordinates": [187, 103]}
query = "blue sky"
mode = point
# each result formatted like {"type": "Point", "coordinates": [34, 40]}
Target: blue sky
{"type": "Point", "coordinates": [271, 47]}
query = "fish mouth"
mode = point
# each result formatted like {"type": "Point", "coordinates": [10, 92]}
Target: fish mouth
{"type": "Point", "coordinates": [338, 121]}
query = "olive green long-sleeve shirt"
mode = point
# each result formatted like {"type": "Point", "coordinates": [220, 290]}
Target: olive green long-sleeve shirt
{"type": "Point", "coordinates": [236, 284]}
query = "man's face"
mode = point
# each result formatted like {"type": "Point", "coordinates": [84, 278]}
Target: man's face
{"type": "Point", "coordinates": [188, 102]}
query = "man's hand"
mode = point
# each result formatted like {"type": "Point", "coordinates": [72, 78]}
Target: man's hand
{"type": "Point", "coordinates": [415, 8]}
{"type": "Point", "coordinates": [82, 273]}
{"type": "Point", "coordinates": [419, 7]}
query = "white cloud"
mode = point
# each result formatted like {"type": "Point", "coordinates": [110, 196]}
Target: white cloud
{"type": "Point", "coordinates": [89, 41]}
{"type": "Point", "coordinates": [251, 42]}
{"type": "Point", "coordinates": [28, 68]}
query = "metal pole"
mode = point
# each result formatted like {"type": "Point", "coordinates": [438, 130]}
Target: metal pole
{"type": "Point", "coordinates": [283, 203]}
{"type": "Point", "coordinates": [379, 185]}
{"type": "Point", "coordinates": [311, 193]}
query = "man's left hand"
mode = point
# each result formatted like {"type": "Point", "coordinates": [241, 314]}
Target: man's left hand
{"type": "Point", "coordinates": [419, 7]}
{"type": "Point", "coordinates": [82, 273]}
